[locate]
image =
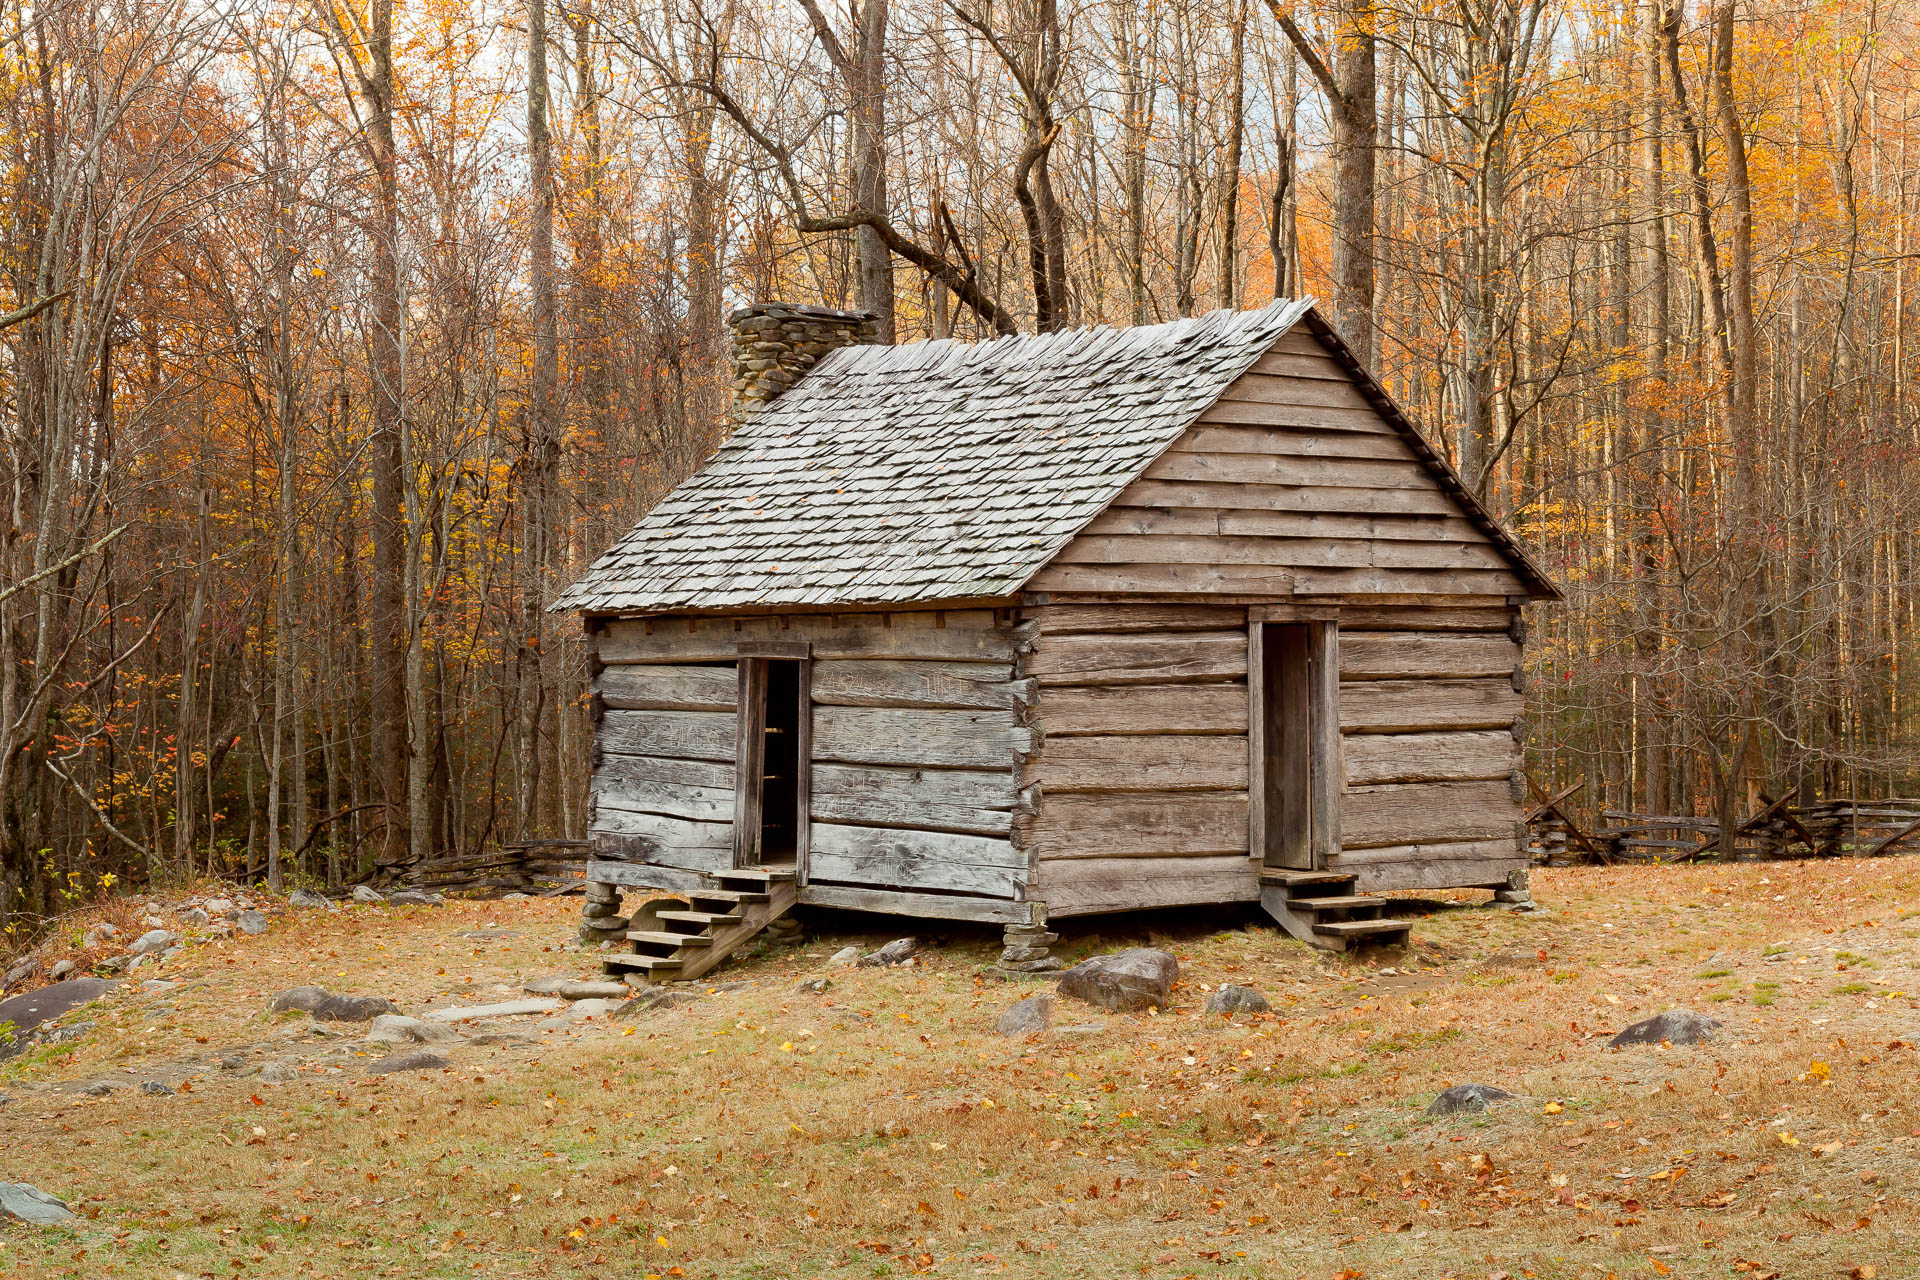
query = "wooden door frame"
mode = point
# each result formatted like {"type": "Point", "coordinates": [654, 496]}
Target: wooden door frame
{"type": "Point", "coordinates": [1304, 832]}
{"type": "Point", "coordinates": [750, 745]}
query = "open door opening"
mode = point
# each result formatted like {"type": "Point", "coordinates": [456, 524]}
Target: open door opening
{"type": "Point", "coordinates": [1296, 697]}
{"type": "Point", "coordinates": [773, 760]}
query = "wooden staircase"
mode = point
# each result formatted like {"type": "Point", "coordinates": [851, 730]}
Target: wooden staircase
{"type": "Point", "coordinates": [1321, 909]}
{"type": "Point", "coordinates": [689, 943]}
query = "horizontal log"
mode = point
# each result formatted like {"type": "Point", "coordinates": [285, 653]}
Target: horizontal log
{"type": "Point", "coordinates": [1120, 617]}
{"type": "Point", "coordinates": [1141, 762]}
{"type": "Point", "coordinates": [1082, 826]}
{"type": "Point", "coordinates": [1362, 616]}
{"type": "Point", "coordinates": [963, 800]}
{"type": "Point", "coordinates": [1072, 710]}
{"type": "Point", "coordinates": [1418, 813]}
{"type": "Point", "coordinates": [903, 683]}
{"type": "Point", "coordinates": [668, 842]}
{"type": "Point", "coordinates": [718, 774]}
{"type": "Point", "coordinates": [1320, 552]}
{"type": "Point", "coordinates": [1207, 522]}
{"type": "Point", "coordinates": [919, 739]}
{"type": "Point", "coordinates": [621, 783]}
{"type": "Point", "coordinates": [1139, 659]}
{"type": "Point", "coordinates": [1432, 582]}
{"type": "Point", "coordinates": [1091, 886]}
{"type": "Point", "coordinates": [680, 735]}
{"type": "Point", "coordinates": [1166, 579]}
{"type": "Point", "coordinates": [925, 860]}
{"type": "Point", "coordinates": [970, 635]}
{"type": "Point", "coordinates": [924, 906]}
{"type": "Point", "coordinates": [1414, 706]}
{"type": "Point", "coordinates": [637, 875]}
{"type": "Point", "coordinates": [1457, 864]}
{"type": "Point", "coordinates": [1375, 758]}
{"type": "Point", "coordinates": [667, 687]}
{"type": "Point", "coordinates": [1386, 655]}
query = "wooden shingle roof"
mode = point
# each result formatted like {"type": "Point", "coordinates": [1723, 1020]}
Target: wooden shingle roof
{"type": "Point", "coordinates": [933, 471]}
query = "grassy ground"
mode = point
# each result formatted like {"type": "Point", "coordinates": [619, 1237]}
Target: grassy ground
{"type": "Point", "coordinates": [883, 1129]}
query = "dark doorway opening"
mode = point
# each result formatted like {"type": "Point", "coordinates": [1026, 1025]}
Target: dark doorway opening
{"type": "Point", "coordinates": [780, 815]}
{"type": "Point", "coordinates": [773, 762]}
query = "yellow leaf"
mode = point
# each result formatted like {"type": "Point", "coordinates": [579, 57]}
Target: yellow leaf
{"type": "Point", "coordinates": [1552, 1109]}
{"type": "Point", "coordinates": [1787, 1139]}
{"type": "Point", "coordinates": [1817, 1072]}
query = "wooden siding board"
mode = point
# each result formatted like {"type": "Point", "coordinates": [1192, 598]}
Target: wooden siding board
{"type": "Point", "coordinates": [667, 687]}
{"type": "Point", "coordinates": [1141, 762]}
{"type": "Point", "coordinates": [1377, 758]}
{"type": "Point", "coordinates": [1411, 655]}
{"type": "Point", "coordinates": [1412, 813]}
{"type": "Point", "coordinates": [1069, 710]}
{"type": "Point", "coordinates": [914, 738]}
{"type": "Point", "coordinates": [1144, 825]}
{"type": "Point", "coordinates": [1138, 659]}
{"type": "Point", "coordinates": [1415, 706]}
{"type": "Point", "coordinates": [680, 735]}
{"type": "Point", "coordinates": [1092, 886]}
{"type": "Point", "coordinates": [963, 800]}
{"type": "Point", "coordinates": [923, 860]}
{"type": "Point", "coordinates": [917, 684]}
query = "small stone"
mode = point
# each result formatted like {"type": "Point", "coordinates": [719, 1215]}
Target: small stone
{"type": "Point", "coordinates": [1513, 895]}
{"type": "Point", "coordinates": [1675, 1026]}
{"type": "Point", "coordinates": [153, 920]}
{"type": "Point", "coordinates": [279, 1073]}
{"type": "Point", "coordinates": [1466, 1097]}
{"type": "Point", "coordinates": [1029, 1017]}
{"type": "Point", "coordinates": [548, 986]}
{"type": "Point", "coordinates": [28, 1203]}
{"type": "Point", "coordinates": [654, 998]}
{"type": "Point", "coordinates": [589, 989]}
{"type": "Point", "coordinates": [63, 969]}
{"type": "Point", "coordinates": [1231, 999]}
{"type": "Point", "coordinates": [98, 1089]}
{"type": "Point", "coordinates": [218, 906]}
{"type": "Point", "coordinates": [845, 957]}
{"type": "Point", "coordinates": [251, 922]}
{"type": "Point", "coordinates": [602, 893]}
{"type": "Point", "coordinates": [367, 894]}
{"type": "Point", "coordinates": [195, 916]}
{"type": "Point", "coordinates": [104, 929]}
{"type": "Point", "coordinates": [417, 898]}
{"type": "Point", "coordinates": [1013, 955]}
{"type": "Point", "coordinates": [600, 910]}
{"type": "Point", "coordinates": [513, 897]}
{"type": "Point", "coordinates": [397, 1028]}
{"type": "Point", "coordinates": [420, 1061]}
{"type": "Point", "coordinates": [1029, 935]}
{"type": "Point", "coordinates": [899, 951]}
{"type": "Point", "coordinates": [815, 986]}
{"type": "Point", "coordinates": [352, 1008]}
{"type": "Point", "coordinates": [1081, 1029]}
{"type": "Point", "coordinates": [1044, 964]}
{"type": "Point", "coordinates": [301, 999]}
{"type": "Point", "coordinates": [505, 1009]}
{"type": "Point", "coordinates": [152, 941]}
{"type": "Point", "coordinates": [156, 1089]}
{"type": "Point", "coordinates": [308, 899]}
{"type": "Point", "coordinates": [595, 1006]}
{"type": "Point", "coordinates": [1138, 978]}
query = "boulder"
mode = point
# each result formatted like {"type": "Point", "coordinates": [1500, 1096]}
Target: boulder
{"type": "Point", "coordinates": [1678, 1026]}
{"type": "Point", "coordinates": [416, 898]}
{"type": "Point", "coordinates": [301, 999]}
{"type": "Point", "coordinates": [1029, 1017]}
{"type": "Point", "coordinates": [352, 1008]}
{"type": "Point", "coordinates": [220, 906]}
{"type": "Point", "coordinates": [152, 941]}
{"type": "Point", "coordinates": [195, 916]}
{"type": "Point", "coordinates": [309, 899]}
{"type": "Point", "coordinates": [367, 894]}
{"type": "Point", "coordinates": [397, 1028]}
{"type": "Point", "coordinates": [63, 969]}
{"type": "Point", "coordinates": [98, 1089]}
{"type": "Point", "coordinates": [1231, 999]}
{"type": "Point", "coordinates": [419, 1061]}
{"type": "Point", "coordinates": [654, 998]}
{"type": "Point", "coordinates": [279, 1073]}
{"type": "Point", "coordinates": [593, 1007]}
{"type": "Point", "coordinates": [30, 1204]}
{"type": "Point", "coordinates": [845, 957]}
{"type": "Point", "coordinates": [251, 921]}
{"type": "Point", "coordinates": [28, 1011]}
{"type": "Point", "coordinates": [1138, 978]}
{"type": "Point", "coordinates": [899, 951]}
{"type": "Point", "coordinates": [21, 972]}
{"type": "Point", "coordinates": [1466, 1097]}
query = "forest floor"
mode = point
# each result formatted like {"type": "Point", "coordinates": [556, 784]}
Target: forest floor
{"type": "Point", "coordinates": [882, 1128]}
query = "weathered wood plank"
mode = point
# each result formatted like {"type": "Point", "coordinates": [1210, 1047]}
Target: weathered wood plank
{"type": "Point", "coordinates": [925, 906]}
{"type": "Point", "coordinates": [1375, 758]}
{"type": "Point", "coordinates": [1072, 711]}
{"type": "Point", "coordinates": [1316, 417]}
{"type": "Point", "coordinates": [1332, 392]}
{"type": "Point", "coordinates": [1397, 527]}
{"type": "Point", "coordinates": [1090, 886]}
{"type": "Point", "coordinates": [963, 800]}
{"type": "Point", "coordinates": [666, 687]}
{"type": "Point", "coordinates": [1164, 579]}
{"type": "Point", "coordinates": [613, 843]}
{"type": "Point", "coordinates": [1417, 813]}
{"type": "Point", "coordinates": [1488, 850]}
{"type": "Point", "coordinates": [1415, 706]}
{"type": "Point", "coordinates": [1386, 877]}
{"type": "Point", "coordinates": [639, 875]}
{"type": "Point", "coordinates": [1290, 442]}
{"type": "Point", "coordinates": [1091, 618]}
{"type": "Point", "coordinates": [661, 829]}
{"type": "Point", "coordinates": [615, 786]}
{"type": "Point", "coordinates": [1313, 580]}
{"type": "Point", "coordinates": [877, 683]}
{"type": "Point", "coordinates": [1388, 655]}
{"type": "Point", "coordinates": [1295, 364]}
{"type": "Point", "coordinates": [683, 735]}
{"type": "Point", "coordinates": [1140, 762]}
{"type": "Point", "coordinates": [1364, 616]}
{"type": "Point", "coordinates": [941, 861]}
{"type": "Point", "coordinates": [1220, 496]}
{"type": "Point", "coordinates": [1397, 474]}
{"type": "Point", "coordinates": [960, 635]}
{"type": "Point", "coordinates": [1147, 825]}
{"type": "Point", "coordinates": [715, 774]}
{"type": "Point", "coordinates": [938, 739]}
{"type": "Point", "coordinates": [1139, 659]}
{"type": "Point", "coordinates": [1223, 549]}
{"type": "Point", "coordinates": [1326, 779]}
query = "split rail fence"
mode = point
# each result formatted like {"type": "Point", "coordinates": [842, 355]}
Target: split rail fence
{"type": "Point", "coordinates": [1777, 829]}
{"type": "Point", "coordinates": [543, 867]}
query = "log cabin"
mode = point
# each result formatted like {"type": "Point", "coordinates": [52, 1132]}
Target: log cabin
{"type": "Point", "coordinates": [1050, 626]}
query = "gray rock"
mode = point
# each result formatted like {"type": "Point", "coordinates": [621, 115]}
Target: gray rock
{"type": "Point", "coordinates": [195, 916]}
{"type": "Point", "coordinates": [151, 941]}
{"type": "Point", "coordinates": [1045, 964]}
{"type": "Point", "coordinates": [593, 1007]}
{"type": "Point", "coordinates": [1014, 955]}
{"type": "Point", "coordinates": [654, 998]}
{"type": "Point", "coordinates": [420, 1061]}
{"type": "Point", "coordinates": [845, 957]}
{"type": "Point", "coordinates": [1081, 1029]}
{"type": "Point", "coordinates": [577, 988]}
{"type": "Point", "coordinates": [1138, 978]}
{"type": "Point", "coordinates": [397, 1028]}
{"type": "Point", "coordinates": [547, 986]}
{"type": "Point", "coordinates": [251, 921]}
{"type": "Point", "coordinates": [513, 897]}
{"type": "Point", "coordinates": [134, 962]}
{"type": "Point", "coordinates": [1231, 999]}
{"type": "Point", "coordinates": [220, 906]}
{"type": "Point", "coordinates": [1679, 1026]}
{"type": "Point", "coordinates": [815, 986]}
{"type": "Point", "coordinates": [1029, 1017]}
{"type": "Point", "coordinates": [30, 1010]}
{"type": "Point", "coordinates": [63, 969]}
{"type": "Point", "coordinates": [302, 999]}
{"type": "Point", "coordinates": [172, 951]}
{"type": "Point", "coordinates": [309, 899]}
{"type": "Point", "coordinates": [98, 1089]}
{"type": "Point", "coordinates": [21, 972]}
{"type": "Point", "coordinates": [30, 1204]}
{"type": "Point", "coordinates": [279, 1073]}
{"type": "Point", "coordinates": [505, 1009]}
{"type": "Point", "coordinates": [367, 894]}
{"type": "Point", "coordinates": [416, 898]}
{"type": "Point", "coordinates": [1466, 1097]}
{"type": "Point", "coordinates": [352, 1008]}
{"type": "Point", "coordinates": [899, 951]}
{"type": "Point", "coordinates": [157, 1089]}
{"type": "Point", "coordinates": [1029, 935]}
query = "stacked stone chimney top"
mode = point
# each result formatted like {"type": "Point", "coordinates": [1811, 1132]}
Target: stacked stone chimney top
{"type": "Point", "coordinates": [775, 343]}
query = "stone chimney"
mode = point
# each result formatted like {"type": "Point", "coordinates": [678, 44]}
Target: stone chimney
{"type": "Point", "coordinates": [774, 343]}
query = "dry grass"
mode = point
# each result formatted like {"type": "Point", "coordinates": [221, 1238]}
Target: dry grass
{"type": "Point", "coordinates": [883, 1129]}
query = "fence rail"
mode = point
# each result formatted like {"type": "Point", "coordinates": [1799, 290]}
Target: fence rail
{"type": "Point", "coordinates": [545, 867]}
{"type": "Point", "coordinates": [1858, 828]}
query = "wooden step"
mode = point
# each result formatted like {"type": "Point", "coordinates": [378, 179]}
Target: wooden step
{"type": "Point", "coordinates": [652, 966]}
{"type": "Point", "coordinates": [759, 875]}
{"type": "Point", "coordinates": [1362, 928]}
{"type": "Point", "coordinates": [704, 919]}
{"type": "Point", "coordinates": [1292, 879]}
{"type": "Point", "coordinates": [728, 895]}
{"type": "Point", "coordinates": [670, 939]}
{"type": "Point", "coordinates": [1346, 903]}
